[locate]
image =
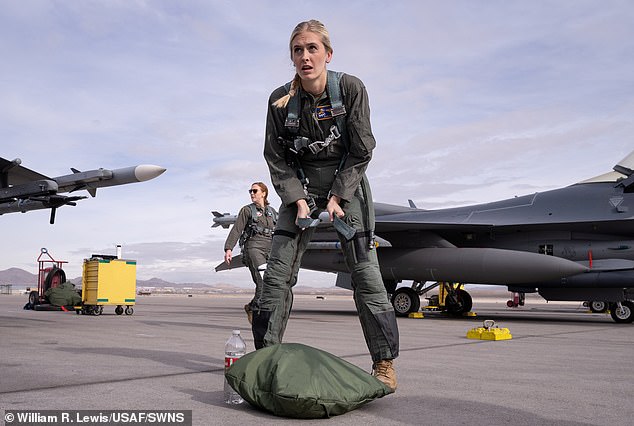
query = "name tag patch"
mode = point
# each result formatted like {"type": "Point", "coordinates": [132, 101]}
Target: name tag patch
{"type": "Point", "coordinates": [323, 112]}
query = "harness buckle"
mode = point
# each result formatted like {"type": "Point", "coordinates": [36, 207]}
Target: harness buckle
{"type": "Point", "coordinates": [292, 122]}
{"type": "Point", "coordinates": [300, 144]}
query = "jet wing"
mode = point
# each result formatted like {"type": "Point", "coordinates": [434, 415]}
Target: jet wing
{"type": "Point", "coordinates": [14, 174]}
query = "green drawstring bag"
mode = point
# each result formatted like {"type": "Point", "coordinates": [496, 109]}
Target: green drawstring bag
{"type": "Point", "coordinates": [63, 295]}
{"type": "Point", "coordinates": [295, 380]}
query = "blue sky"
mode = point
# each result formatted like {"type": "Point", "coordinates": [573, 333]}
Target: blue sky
{"type": "Point", "coordinates": [472, 101]}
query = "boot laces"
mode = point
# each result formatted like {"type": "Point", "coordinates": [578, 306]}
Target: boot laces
{"type": "Point", "coordinates": [382, 368]}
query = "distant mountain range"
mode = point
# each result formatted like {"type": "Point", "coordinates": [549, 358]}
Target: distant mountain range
{"type": "Point", "coordinates": [20, 278]}
{"type": "Point", "coordinates": [17, 276]}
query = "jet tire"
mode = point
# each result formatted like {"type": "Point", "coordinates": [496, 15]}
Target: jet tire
{"type": "Point", "coordinates": [464, 305]}
{"type": "Point", "coordinates": [624, 314]}
{"type": "Point", "coordinates": [597, 306]}
{"type": "Point", "coordinates": [405, 301]}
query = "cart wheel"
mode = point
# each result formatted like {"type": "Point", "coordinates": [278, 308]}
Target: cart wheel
{"type": "Point", "coordinates": [77, 311]}
{"type": "Point", "coordinates": [98, 310]}
{"type": "Point", "coordinates": [129, 310]}
{"type": "Point", "coordinates": [118, 310]}
{"type": "Point", "coordinates": [34, 298]}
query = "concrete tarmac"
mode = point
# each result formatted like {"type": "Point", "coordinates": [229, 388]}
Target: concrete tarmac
{"type": "Point", "coordinates": [563, 365]}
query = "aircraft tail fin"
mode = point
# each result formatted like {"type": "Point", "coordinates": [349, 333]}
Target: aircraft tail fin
{"type": "Point", "coordinates": [344, 280]}
{"type": "Point", "coordinates": [626, 165]}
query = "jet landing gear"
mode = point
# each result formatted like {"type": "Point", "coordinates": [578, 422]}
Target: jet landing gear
{"type": "Point", "coordinates": [518, 299]}
{"type": "Point", "coordinates": [405, 301]}
{"type": "Point", "coordinates": [452, 298]}
{"type": "Point", "coordinates": [622, 312]}
{"type": "Point", "coordinates": [597, 306]}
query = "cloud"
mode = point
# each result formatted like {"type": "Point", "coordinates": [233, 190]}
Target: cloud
{"type": "Point", "coordinates": [471, 102]}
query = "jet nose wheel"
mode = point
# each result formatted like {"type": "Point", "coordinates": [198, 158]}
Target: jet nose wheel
{"type": "Point", "coordinates": [405, 301]}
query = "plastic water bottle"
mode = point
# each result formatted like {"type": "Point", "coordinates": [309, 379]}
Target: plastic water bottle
{"type": "Point", "coordinates": [234, 349]}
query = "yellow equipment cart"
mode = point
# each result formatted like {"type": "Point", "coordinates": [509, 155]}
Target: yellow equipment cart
{"type": "Point", "coordinates": [108, 282]}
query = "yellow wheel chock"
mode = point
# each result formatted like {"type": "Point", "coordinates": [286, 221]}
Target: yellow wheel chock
{"type": "Point", "coordinates": [489, 331]}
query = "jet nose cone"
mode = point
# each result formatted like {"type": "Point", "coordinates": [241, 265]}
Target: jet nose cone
{"type": "Point", "coordinates": [145, 172]}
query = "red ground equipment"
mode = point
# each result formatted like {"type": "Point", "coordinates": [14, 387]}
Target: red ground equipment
{"type": "Point", "coordinates": [50, 275]}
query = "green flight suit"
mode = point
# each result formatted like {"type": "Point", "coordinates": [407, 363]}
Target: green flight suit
{"type": "Point", "coordinates": [273, 308]}
{"type": "Point", "coordinates": [255, 250]}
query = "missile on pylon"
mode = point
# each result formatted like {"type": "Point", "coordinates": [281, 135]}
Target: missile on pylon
{"type": "Point", "coordinates": [23, 190]}
{"type": "Point", "coordinates": [223, 219]}
{"type": "Point", "coordinates": [101, 178]}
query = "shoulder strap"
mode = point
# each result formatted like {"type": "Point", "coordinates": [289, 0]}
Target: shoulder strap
{"type": "Point", "coordinates": [254, 214]}
{"type": "Point", "coordinates": [293, 107]}
{"type": "Point", "coordinates": [270, 211]}
{"type": "Point", "coordinates": [333, 87]}
{"type": "Point", "coordinates": [336, 102]}
{"type": "Point", "coordinates": [334, 93]}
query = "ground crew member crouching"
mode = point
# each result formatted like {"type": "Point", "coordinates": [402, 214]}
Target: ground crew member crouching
{"type": "Point", "coordinates": [253, 230]}
{"type": "Point", "coordinates": [318, 144]}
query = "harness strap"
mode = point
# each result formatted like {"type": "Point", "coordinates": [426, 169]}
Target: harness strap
{"type": "Point", "coordinates": [292, 117]}
{"type": "Point", "coordinates": [254, 227]}
{"type": "Point", "coordinates": [338, 111]}
{"type": "Point", "coordinates": [284, 233]}
{"type": "Point", "coordinates": [336, 102]}
{"type": "Point", "coordinates": [301, 144]}
{"type": "Point", "coordinates": [334, 93]}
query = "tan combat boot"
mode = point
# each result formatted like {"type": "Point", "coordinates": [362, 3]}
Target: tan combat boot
{"type": "Point", "coordinates": [384, 371]}
{"type": "Point", "coordinates": [249, 311]}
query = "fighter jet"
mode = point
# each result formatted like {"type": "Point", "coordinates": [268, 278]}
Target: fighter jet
{"type": "Point", "coordinates": [23, 190]}
{"type": "Point", "coordinates": [574, 243]}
